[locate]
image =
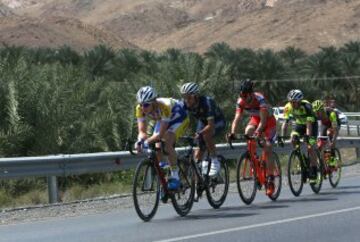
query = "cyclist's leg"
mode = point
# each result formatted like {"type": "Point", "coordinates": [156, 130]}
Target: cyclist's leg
{"type": "Point", "coordinates": [208, 137]}
{"type": "Point", "coordinates": [312, 153]}
{"type": "Point", "coordinates": [175, 130]}
{"type": "Point", "coordinates": [323, 132]}
{"type": "Point", "coordinates": [159, 154]}
{"type": "Point", "coordinates": [312, 146]}
{"type": "Point", "coordinates": [270, 137]}
{"type": "Point", "coordinates": [330, 133]}
{"type": "Point", "coordinates": [298, 131]}
{"type": "Point", "coordinates": [199, 152]}
{"type": "Point", "coordinates": [252, 125]}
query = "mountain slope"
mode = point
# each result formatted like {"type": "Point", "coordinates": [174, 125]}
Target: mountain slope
{"type": "Point", "coordinates": [195, 25]}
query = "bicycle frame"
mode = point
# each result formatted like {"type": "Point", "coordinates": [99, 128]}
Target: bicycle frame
{"type": "Point", "coordinates": [154, 160]}
{"type": "Point", "coordinates": [189, 155]}
{"type": "Point", "coordinates": [259, 165]}
{"type": "Point", "coordinates": [304, 158]}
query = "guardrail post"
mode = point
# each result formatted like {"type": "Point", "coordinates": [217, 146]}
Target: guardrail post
{"type": "Point", "coordinates": [53, 189]}
{"type": "Point", "coordinates": [348, 130]}
{"type": "Point", "coordinates": [357, 150]}
{"type": "Point", "coordinates": [358, 130]}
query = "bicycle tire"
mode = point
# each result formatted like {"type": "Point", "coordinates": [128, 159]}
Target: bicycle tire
{"type": "Point", "coordinates": [241, 170]}
{"type": "Point", "coordinates": [183, 198]}
{"type": "Point", "coordinates": [277, 178]}
{"type": "Point", "coordinates": [316, 187]}
{"type": "Point", "coordinates": [146, 181]}
{"type": "Point", "coordinates": [334, 180]}
{"type": "Point", "coordinates": [295, 169]}
{"type": "Point", "coordinates": [213, 185]}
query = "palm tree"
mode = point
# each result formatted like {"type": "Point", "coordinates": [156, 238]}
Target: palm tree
{"type": "Point", "coordinates": [95, 60]}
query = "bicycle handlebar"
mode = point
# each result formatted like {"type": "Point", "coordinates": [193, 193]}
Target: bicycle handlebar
{"type": "Point", "coordinates": [245, 137]}
{"type": "Point", "coordinates": [152, 147]}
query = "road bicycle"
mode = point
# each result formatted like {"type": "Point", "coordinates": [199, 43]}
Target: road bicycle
{"type": "Point", "coordinates": [331, 160]}
{"type": "Point", "coordinates": [299, 167]}
{"type": "Point", "coordinates": [216, 188]}
{"type": "Point", "coordinates": [150, 185]}
{"type": "Point", "coordinates": [251, 171]}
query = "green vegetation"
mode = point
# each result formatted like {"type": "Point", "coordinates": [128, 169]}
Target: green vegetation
{"type": "Point", "coordinates": [59, 101]}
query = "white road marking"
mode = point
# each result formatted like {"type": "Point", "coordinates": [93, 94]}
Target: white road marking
{"type": "Point", "coordinates": [259, 225]}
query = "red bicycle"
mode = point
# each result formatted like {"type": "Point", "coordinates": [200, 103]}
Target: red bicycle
{"type": "Point", "coordinates": [150, 186]}
{"type": "Point", "coordinates": [331, 160]}
{"type": "Point", "coordinates": [252, 174]}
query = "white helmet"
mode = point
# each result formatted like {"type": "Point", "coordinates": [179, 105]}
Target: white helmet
{"type": "Point", "coordinates": [146, 94]}
{"type": "Point", "coordinates": [190, 88]}
{"type": "Point", "coordinates": [295, 95]}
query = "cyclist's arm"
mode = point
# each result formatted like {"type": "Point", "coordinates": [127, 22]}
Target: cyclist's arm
{"type": "Point", "coordinates": [287, 111]}
{"type": "Point", "coordinates": [263, 118]}
{"type": "Point", "coordinates": [141, 123]}
{"type": "Point", "coordinates": [309, 127]}
{"type": "Point", "coordinates": [235, 122]}
{"type": "Point", "coordinates": [210, 116]}
{"type": "Point", "coordinates": [142, 126]}
{"type": "Point", "coordinates": [334, 124]}
{"type": "Point", "coordinates": [209, 127]}
{"type": "Point", "coordinates": [310, 119]}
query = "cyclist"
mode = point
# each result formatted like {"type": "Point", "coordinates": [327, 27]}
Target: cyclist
{"type": "Point", "coordinates": [305, 125]}
{"type": "Point", "coordinates": [210, 123]}
{"type": "Point", "coordinates": [262, 124]}
{"type": "Point", "coordinates": [170, 122]}
{"type": "Point", "coordinates": [329, 122]}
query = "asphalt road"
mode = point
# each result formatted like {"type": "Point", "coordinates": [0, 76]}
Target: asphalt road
{"type": "Point", "coordinates": [333, 215]}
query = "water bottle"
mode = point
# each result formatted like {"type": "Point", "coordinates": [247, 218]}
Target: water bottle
{"type": "Point", "coordinates": [204, 167]}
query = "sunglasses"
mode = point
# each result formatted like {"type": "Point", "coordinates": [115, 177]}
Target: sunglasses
{"type": "Point", "coordinates": [145, 105]}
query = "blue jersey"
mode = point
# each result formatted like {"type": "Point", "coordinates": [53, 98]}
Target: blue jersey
{"type": "Point", "coordinates": [206, 109]}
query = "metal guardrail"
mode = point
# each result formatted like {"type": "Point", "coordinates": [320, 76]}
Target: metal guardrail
{"type": "Point", "coordinates": [350, 130]}
{"type": "Point", "coordinates": [65, 165]}
{"type": "Point", "coordinates": [352, 114]}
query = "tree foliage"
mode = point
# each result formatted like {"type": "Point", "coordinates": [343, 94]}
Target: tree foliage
{"type": "Point", "coordinates": [60, 101]}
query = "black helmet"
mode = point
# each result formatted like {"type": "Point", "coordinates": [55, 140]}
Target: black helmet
{"type": "Point", "coordinates": [246, 86]}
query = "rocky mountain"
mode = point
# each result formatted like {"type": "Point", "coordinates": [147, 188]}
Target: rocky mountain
{"type": "Point", "coordinates": [192, 25]}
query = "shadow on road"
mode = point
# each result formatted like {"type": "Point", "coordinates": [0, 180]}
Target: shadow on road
{"type": "Point", "coordinates": [218, 214]}
{"type": "Point", "coordinates": [347, 187]}
{"type": "Point", "coordinates": [255, 206]}
{"type": "Point", "coordinates": [307, 199]}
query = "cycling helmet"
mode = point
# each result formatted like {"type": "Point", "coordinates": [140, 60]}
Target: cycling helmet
{"type": "Point", "coordinates": [246, 86]}
{"type": "Point", "coordinates": [190, 88]}
{"type": "Point", "coordinates": [146, 94]}
{"type": "Point", "coordinates": [318, 105]}
{"type": "Point", "coordinates": [295, 95]}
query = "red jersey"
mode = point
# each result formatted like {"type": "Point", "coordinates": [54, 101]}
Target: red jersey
{"type": "Point", "coordinates": [258, 102]}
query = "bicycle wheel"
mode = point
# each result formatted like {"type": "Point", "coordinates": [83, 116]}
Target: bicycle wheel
{"type": "Point", "coordinates": [183, 198]}
{"type": "Point", "coordinates": [217, 188]}
{"type": "Point", "coordinates": [146, 190]}
{"type": "Point", "coordinates": [316, 187]}
{"type": "Point", "coordinates": [277, 178]}
{"type": "Point", "coordinates": [246, 178]}
{"type": "Point", "coordinates": [295, 173]}
{"type": "Point", "coordinates": [335, 169]}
